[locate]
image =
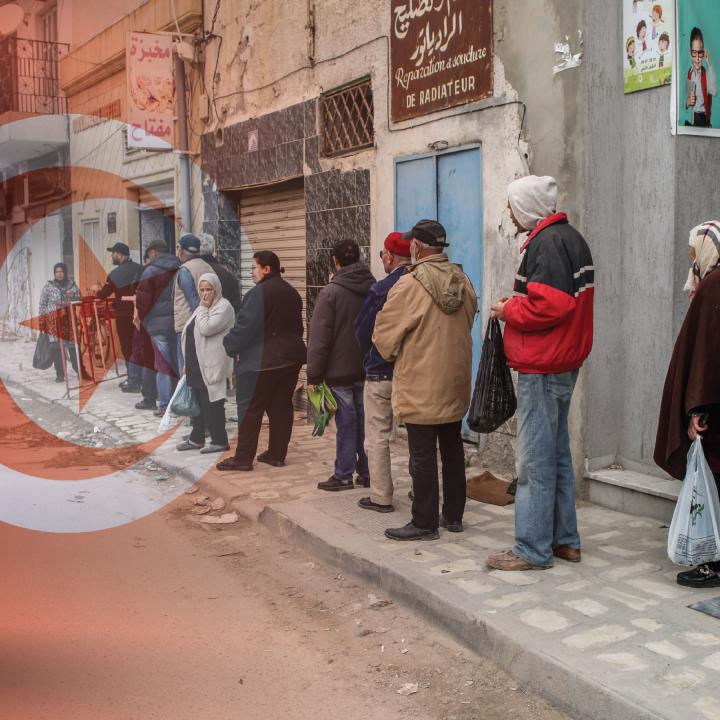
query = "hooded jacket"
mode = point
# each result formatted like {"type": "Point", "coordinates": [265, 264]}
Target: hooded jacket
{"type": "Point", "coordinates": [334, 355]}
{"type": "Point", "coordinates": [425, 327]}
{"type": "Point", "coordinates": [154, 295]}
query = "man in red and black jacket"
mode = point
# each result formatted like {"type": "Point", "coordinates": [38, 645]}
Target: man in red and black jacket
{"type": "Point", "coordinates": [548, 335]}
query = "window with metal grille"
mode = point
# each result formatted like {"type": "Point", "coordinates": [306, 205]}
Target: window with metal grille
{"type": "Point", "coordinates": [348, 118]}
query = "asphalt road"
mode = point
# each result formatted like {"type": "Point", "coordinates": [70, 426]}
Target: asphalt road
{"type": "Point", "coordinates": [166, 619]}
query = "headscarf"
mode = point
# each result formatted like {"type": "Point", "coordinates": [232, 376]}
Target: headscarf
{"type": "Point", "coordinates": [66, 280]}
{"type": "Point", "coordinates": [532, 199]}
{"type": "Point", "coordinates": [705, 239]}
{"type": "Point", "coordinates": [214, 280]}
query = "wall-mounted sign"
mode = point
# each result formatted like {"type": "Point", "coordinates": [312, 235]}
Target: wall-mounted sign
{"type": "Point", "coordinates": [697, 107]}
{"type": "Point", "coordinates": [151, 91]}
{"type": "Point", "coordinates": [111, 223]}
{"type": "Point", "coordinates": [440, 54]}
{"type": "Point", "coordinates": [648, 43]}
{"type": "Point", "coordinates": [111, 111]}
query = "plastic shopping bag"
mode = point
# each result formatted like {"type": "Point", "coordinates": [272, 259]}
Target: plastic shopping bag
{"type": "Point", "coordinates": [694, 536]}
{"type": "Point", "coordinates": [167, 419]}
{"type": "Point", "coordinates": [493, 401]}
{"type": "Point", "coordinates": [42, 357]}
{"type": "Point", "coordinates": [325, 406]}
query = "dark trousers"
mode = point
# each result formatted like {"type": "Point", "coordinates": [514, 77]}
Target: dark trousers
{"type": "Point", "coordinates": [143, 357]}
{"type": "Point", "coordinates": [57, 358]}
{"type": "Point", "coordinates": [271, 392]}
{"type": "Point", "coordinates": [125, 332]}
{"type": "Point", "coordinates": [423, 441]}
{"type": "Point", "coordinates": [212, 416]}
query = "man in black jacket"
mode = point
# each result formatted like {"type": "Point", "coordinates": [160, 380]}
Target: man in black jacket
{"type": "Point", "coordinates": [154, 300]}
{"type": "Point", "coordinates": [334, 357]}
{"type": "Point", "coordinates": [268, 347]}
{"type": "Point", "coordinates": [121, 283]}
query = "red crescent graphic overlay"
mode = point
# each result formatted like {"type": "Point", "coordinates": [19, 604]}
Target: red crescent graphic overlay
{"type": "Point", "coordinates": [27, 447]}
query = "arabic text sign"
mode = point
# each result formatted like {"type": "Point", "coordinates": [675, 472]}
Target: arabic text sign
{"type": "Point", "coordinates": [441, 54]}
{"type": "Point", "coordinates": [151, 90]}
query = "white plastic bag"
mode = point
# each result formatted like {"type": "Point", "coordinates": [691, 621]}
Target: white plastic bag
{"type": "Point", "coordinates": [694, 536]}
{"type": "Point", "coordinates": [167, 419]}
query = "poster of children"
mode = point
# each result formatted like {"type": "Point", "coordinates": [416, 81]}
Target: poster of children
{"type": "Point", "coordinates": [648, 42]}
{"type": "Point", "coordinates": [698, 47]}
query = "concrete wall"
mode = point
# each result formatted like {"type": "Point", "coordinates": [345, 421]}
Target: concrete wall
{"type": "Point", "coordinates": [351, 40]}
{"type": "Point", "coordinates": [646, 189]}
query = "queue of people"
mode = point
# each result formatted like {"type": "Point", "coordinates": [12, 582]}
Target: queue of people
{"type": "Point", "coordinates": [382, 347]}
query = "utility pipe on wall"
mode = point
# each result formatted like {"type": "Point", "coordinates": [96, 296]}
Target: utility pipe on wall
{"type": "Point", "coordinates": [183, 150]}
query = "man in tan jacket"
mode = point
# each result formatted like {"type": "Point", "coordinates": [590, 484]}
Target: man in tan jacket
{"type": "Point", "coordinates": [425, 328]}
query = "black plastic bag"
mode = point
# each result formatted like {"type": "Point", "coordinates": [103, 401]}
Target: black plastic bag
{"type": "Point", "coordinates": [42, 357]}
{"type": "Point", "coordinates": [493, 401]}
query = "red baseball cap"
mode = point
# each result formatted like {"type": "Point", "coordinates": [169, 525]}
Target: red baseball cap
{"type": "Point", "coordinates": [397, 245]}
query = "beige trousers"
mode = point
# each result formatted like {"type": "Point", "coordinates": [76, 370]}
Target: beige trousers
{"type": "Point", "coordinates": [378, 428]}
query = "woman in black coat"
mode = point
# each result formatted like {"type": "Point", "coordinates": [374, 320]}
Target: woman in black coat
{"type": "Point", "coordinates": [268, 347]}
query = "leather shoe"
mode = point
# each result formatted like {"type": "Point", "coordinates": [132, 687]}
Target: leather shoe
{"type": "Point", "coordinates": [231, 464]}
{"type": "Point", "coordinates": [703, 576]}
{"type": "Point", "coordinates": [510, 561]}
{"type": "Point", "coordinates": [128, 388]}
{"type": "Point", "coordinates": [456, 527]}
{"type": "Point", "coordinates": [145, 405]}
{"type": "Point", "coordinates": [361, 481]}
{"type": "Point", "coordinates": [565, 552]}
{"type": "Point", "coordinates": [410, 532]}
{"type": "Point", "coordinates": [265, 458]}
{"type": "Point", "coordinates": [332, 484]}
{"type": "Point", "coordinates": [366, 503]}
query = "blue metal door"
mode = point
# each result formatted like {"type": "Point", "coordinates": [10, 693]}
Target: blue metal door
{"type": "Point", "coordinates": [447, 187]}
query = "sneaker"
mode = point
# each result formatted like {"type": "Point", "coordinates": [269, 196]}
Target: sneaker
{"type": "Point", "coordinates": [212, 448]}
{"type": "Point", "coordinates": [126, 388]}
{"type": "Point", "coordinates": [265, 458]}
{"type": "Point", "coordinates": [362, 481]}
{"type": "Point", "coordinates": [410, 532]}
{"type": "Point", "coordinates": [703, 576]}
{"type": "Point", "coordinates": [366, 503]}
{"type": "Point", "coordinates": [188, 445]}
{"type": "Point", "coordinates": [456, 527]}
{"type": "Point", "coordinates": [145, 404]}
{"type": "Point", "coordinates": [159, 412]}
{"type": "Point", "coordinates": [332, 484]}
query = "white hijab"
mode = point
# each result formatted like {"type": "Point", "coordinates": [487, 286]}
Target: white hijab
{"type": "Point", "coordinates": [705, 240]}
{"type": "Point", "coordinates": [532, 199]}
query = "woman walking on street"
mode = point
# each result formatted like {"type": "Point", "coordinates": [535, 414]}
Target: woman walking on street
{"type": "Point", "coordinates": [691, 398]}
{"type": "Point", "coordinates": [207, 367]}
{"type": "Point", "coordinates": [56, 293]}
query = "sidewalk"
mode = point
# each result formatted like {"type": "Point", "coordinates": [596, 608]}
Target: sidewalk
{"type": "Point", "coordinates": [612, 637]}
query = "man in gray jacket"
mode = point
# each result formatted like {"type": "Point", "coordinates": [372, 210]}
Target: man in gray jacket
{"type": "Point", "coordinates": [334, 357]}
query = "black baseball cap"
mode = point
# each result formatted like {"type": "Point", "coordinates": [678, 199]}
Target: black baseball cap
{"type": "Point", "coordinates": [190, 243]}
{"type": "Point", "coordinates": [121, 248]}
{"type": "Point", "coordinates": [429, 232]}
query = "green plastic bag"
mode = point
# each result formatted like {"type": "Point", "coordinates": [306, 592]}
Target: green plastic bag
{"type": "Point", "coordinates": [325, 405]}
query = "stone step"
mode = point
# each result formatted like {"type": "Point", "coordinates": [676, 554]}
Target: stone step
{"type": "Point", "coordinates": [633, 493]}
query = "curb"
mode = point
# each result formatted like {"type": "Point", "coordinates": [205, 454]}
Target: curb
{"type": "Point", "coordinates": [578, 695]}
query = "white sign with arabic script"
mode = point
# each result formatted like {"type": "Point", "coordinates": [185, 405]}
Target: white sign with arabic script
{"type": "Point", "coordinates": [151, 91]}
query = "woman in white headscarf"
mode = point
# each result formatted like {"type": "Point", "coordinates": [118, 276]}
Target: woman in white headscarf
{"type": "Point", "coordinates": [691, 398]}
{"type": "Point", "coordinates": [207, 365]}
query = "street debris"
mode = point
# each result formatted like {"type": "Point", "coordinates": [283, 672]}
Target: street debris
{"type": "Point", "coordinates": [200, 509]}
{"type": "Point", "coordinates": [201, 500]}
{"type": "Point", "coordinates": [408, 689]}
{"type": "Point", "coordinates": [192, 490]}
{"type": "Point", "coordinates": [226, 519]}
{"type": "Point", "coordinates": [218, 504]}
{"type": "Point", "coordinates": [376, 603]}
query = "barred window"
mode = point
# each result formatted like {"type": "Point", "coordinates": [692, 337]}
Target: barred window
{"type": "Point", "coordinates": [348, 118]}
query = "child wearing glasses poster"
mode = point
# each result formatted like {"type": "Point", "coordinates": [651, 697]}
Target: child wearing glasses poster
{"type": "Point", "coordinates": [648, 43]}
{"type": "Point", "coordinates": [698, 28]}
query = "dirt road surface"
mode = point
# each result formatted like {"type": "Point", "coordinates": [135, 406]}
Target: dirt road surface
{"type": "Point", "coordinates": [168, 619]}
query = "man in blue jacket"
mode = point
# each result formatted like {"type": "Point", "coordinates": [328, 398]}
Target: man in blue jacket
{"type": "Point", "coordinates": [378, 377]}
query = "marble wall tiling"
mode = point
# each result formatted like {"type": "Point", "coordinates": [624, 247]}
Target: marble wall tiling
{"type": "Point", "coordinates": [337, 203]}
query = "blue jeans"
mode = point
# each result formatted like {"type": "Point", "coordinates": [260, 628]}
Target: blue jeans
{"type": "Point", "coordinates": [165, 347]}
{"type": "Point", "coordinates": [350, 438]}
{"type": "Point", "coordinates": [545, 500]}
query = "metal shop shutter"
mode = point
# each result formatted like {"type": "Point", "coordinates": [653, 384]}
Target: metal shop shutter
{"type": "Point", "coordinates": [274, 219]}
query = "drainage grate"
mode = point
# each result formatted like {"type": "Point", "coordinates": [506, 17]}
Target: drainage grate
{"type": "Point", "coordinates": [348, 119]}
